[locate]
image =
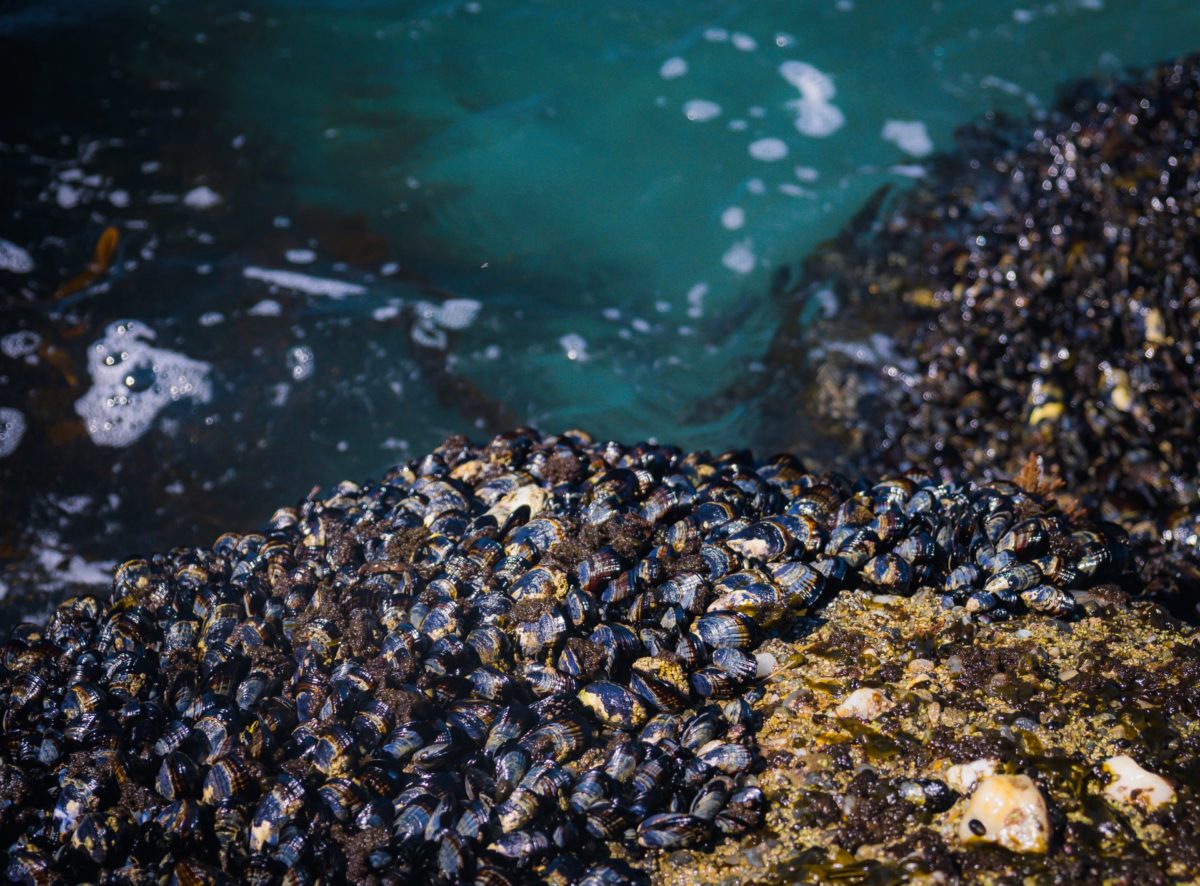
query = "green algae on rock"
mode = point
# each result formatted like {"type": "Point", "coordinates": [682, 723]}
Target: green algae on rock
{"type": "Point", "coordinates": [1047, 283]}
{"type": "Point", "coordinates": [542, 658]}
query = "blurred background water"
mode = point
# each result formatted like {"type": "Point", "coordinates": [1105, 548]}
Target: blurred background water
{"type": "Point", "coordinates": [341, 231]}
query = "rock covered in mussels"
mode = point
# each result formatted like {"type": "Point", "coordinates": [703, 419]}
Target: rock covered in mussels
{"type": "Point", "coordinates": [1044, 289]}
{"type": "Point", "coordinates": [531, 658]}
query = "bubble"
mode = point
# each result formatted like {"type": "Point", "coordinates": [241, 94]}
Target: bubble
{"type": "Point", "coordinates": [301, 362]}
{"type": "Point", "coordinates": [575, 347]}
{"type": "Point", "coordinates": [733, 218]}
{"type": "Point", "coordinates": [202, 197]}
{"type": "Point", "coordinates": [768, 150]}
{"type": "Point", "coordinates": [739, 258]}
{"type": "Point", "coordinates": [20, 344]}
{"type": "Point", "coordinates": [701, 110]}
{"type": "Point", "coordinates": [673, 68]}
{"type": "Point", "coordinates": [910, 136]}
{"type": "Point", "coordinates": [14, 259]}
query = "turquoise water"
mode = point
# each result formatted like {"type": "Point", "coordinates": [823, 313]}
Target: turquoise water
{"type": "Point", "coordinates": [349, 229]}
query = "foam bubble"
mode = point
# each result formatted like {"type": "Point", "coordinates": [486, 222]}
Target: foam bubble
{"type": "Point", "coordinates": [733, 218]}
{"type": "Point", "coordinates": [817, 119]}
{"type": "Point", "coordinates": [673, 68]}
{"type": "Point", "coordinates": [807, 173]}
{"type": "Point", "coordinates": [716, 35]}
{"type": "Point", "coordinates": [268, 307]}
{"type": "Point", "coordinates": [132, 381]}
{"type": "Point", "coordinates": [20, 344]}
{"type": "Point", "coordinates": [119, 198]}
{"type": "Point", "coordinates": [815, 115]}
{"type": "Point", "coordinates": [14, 259]}
{"type": "Point", "coordinates": [575, 347]}
{"type": "Point", "coordinates": [304, 282]}
{"type": "Point", "coordinates": [701, 110]}
{"type": "Point", "coordinates": [739, 258]}
{"type": "Point", "coordinates": [743, 42]}
{"type": "Point", "coordinates": [212, 318]}
{"type": "Point", "coordinates": [12, 429]}
{"type": "Point", "coordinates": [202, 197]}
{"type": "Point", "coordinates": [300, 256]}
{"type": "Point", "coordinates": [910, 136]}
{"type": "Point", "coordinates": [301, 362]}
{"type": "Point", "coordinates": [456, 313]}
{"type": "Point", "coordinates": [768, 150]}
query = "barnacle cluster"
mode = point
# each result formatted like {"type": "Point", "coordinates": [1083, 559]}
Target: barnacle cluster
{"type": "Point", "coordinates": [1048, 281]}
{"type": "Point", "coordinates": [537, 658]}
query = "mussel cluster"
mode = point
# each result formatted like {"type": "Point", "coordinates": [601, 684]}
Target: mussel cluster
{"type": "Point", "coordinates": [1050, 281]}
{"type": "Point", "coordinates": [532, 659]}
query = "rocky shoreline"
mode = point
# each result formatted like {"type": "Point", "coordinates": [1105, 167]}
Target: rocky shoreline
{"type": "Point", "coordinates": [569, 660]}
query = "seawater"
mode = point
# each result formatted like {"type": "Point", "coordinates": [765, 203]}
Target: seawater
{"type": "Point", "coordinates": [347, 230]}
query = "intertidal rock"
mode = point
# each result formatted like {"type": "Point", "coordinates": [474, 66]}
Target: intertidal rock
{"type": "Point", "coordinates": [400, 680]}
{"type": "Point", "coordinates": [1043, 291]}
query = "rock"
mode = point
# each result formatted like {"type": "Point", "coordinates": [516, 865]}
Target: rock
{"type": "Point", "coordinates": [863, 704]}
{"type": "Point", "coordinates": [1007, 810]}
{"type": "Point", "coordinates": [963, 777]}
{"type": "Point", "coordinates": [1136, 786]}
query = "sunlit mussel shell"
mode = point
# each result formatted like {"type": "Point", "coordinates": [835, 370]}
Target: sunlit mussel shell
{"type": "Point", "coordinates": [580, 609]}
{"type": "Point", "coordinates": [1026, 539]}
{"type": "Point", "coordinates": [889, 573]}
{"type": "Point", "coordinates": [341, 797]}
{"type": "Point", "coordinates": [510, 724]}
{"type": "Point", "coordinates": [535, 538]}
{"type": "Point", "coordinates": [489, 683]}
{"type": "Point", "coordinates": [230, 778]}
{"type": "Point", "coordinates": [598, 569]}
{"type": "Point", "coordinates": [77, 700]}
{"type": "Point", "coordinates": [1101, 551]}
{"type": "Point", "coordinates": [800, 585]}
{"type": "Point", "coordinates": [1049, 600]}
{"type": "Point", "coordinates": [664, 503]}
{"type": "Point", "coordinates": [335, 752]}
{"type": "Point", "coordinates": [29, 864]}
{"type": "Point", "coordinates": [272, 722]}
{"type": "Point", "coordinates": [521, 846]}
{"type": "Point", "coordinates": [518, 810]}
{"type": "Point", "coordinates": [489, 643]}
{"type": "Point", "coordinates": [982, 601]}
{"type": "Point", "coordinates": [702, 728]}
{"type": "Point", "coordinates": [408, 738]}
{"type": "Point", "coordinates": [622, 760]}
{"type": "Point", "coordinates": [660, 728]}
{"type": "Point", "coordinates": [820, 501]}
{"type": "Point", "coordinates": [660, 683]}
{"type": "Point", "coordinates": [727, 757]}
{"type": "Point", "coordinates": [1057, 570]}
{"type": "Point", "coordinates": [684, 535]}
{"type": "Point", "coordinates": [855, 544]}
{"type": "Point", "coordinates": [714, 682]}
{"type": "Point", "coordinates": [760, 600]}
{"type": "Point", "coordinates": [621, 647]}
{"type": "Point", "coordinates": [835, 569]}
{"type": "Point", "coordinates": [737, 663]}
{"type": "Point", "coordinates": [510, 768]}
{"type": "Point", "coordinates": [581, 659]}
{"type": "Point", "coordinates": [718, 629]}
{"type": "Point", "coordinates": [745, 811]}
{"type": "Point", "coordinates": [177, 777]}
{"type": "Point", "coordinates": [544, 680]}
{"type": "Point", "coordinates": [321, 636]}
{"type": "Point", "coordinates": [718, 560]}
{"type": "Point", "coordinates": [134, 578]}
{"type": "Point", "coordinates": [672, 830]}
{"type": "Point", "coordinates": [1015, 579]}
{"type": "Point", "coordinates": [606, 820]}
{"type": "Point", "coordinates": [471, 718]}
{"type": "Point", "coordinates": [444, 619]}
{"type": "Point", "coordinates": [558, 740]}
{"type": "Point", "coordinates": [215, 734]}
{"type": "Point", "coordinates": [545, 631]}
{"type": "Point", "coordinates": [916, 548]}
{"type": "Point", "coordinates": [614, 705]}
{"type": "Point", "coordinates": [962, 579]}
{"type": "Point", "coordinates": [711, 798]}
{"type": "Point", "coordinates": [539, 583]}
{"type": "Point", "coordinates": [765, 540]}
{"type": "Point", "coordinates": [101, 837]}
{"type": "Point", "coordinates": [132, 630]}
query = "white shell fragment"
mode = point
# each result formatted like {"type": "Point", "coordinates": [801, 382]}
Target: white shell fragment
{"type": "Point", "coordinates": [863, 704]}
{"type": "Point", "coordinates": [1007, 810]}
{"type": "Point", "coordinates": [1136, 786]}
{"type": "Point", "coordinates": [963, 777]}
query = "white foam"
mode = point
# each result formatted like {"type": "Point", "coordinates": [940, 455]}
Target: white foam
{"type": "Point", "coordinates": [910, 136]}
{"type": "Point", "coordinates": [815, 114]}
{"type": "Point", "coordinates": [14, 259]}
{"type": "Point", "coordinates": [733, 218]}
{"type": "Point", "coordinates": [637, 324]}
{"type": "Point", "coordinates": [268, 307]}
{"type": "Point", "coordinates": [386, 312]}
{"type": "Point", "coordinates": [305, 283]}
{"type": "Point", "coordinates": [12, 429]}
{"type": "Point", "coordinates": [756, 186]}
{"type": "Point", "coordinates": [784, 40]}
{"type": "Point", "coordinates": [695, 300]}
{"type": "Point", "coordinates": [575, 347]}
{"type": "Point", "coordinates": [212, 318]}
{"type": "Point", "coordinates": [793, 190]}
{"type": "Point", "coordinates": [300, 256]}
{"type": "Point", "coordinates": [20, 344]}
{"type": "Point", "coordinates": [132, 381]}
{"type": "Point", "coordinates": [768, 150]}
{"type": "Point", "coordinates": [743, 42]}
{"type": "Point", "coordinates": [716, 35]}
{"type": "Point", "coordinates": [119, 198]}
{"type": "Point", "coordinates": [454, 313]}
{"type": "Point", "coordinates": [909, 170]}
{"type": "Point", "coordinates": [301, 362]}
{"type": "Point", "coordinates": [739, 258]}
{"type": "Point", "coordinates": [738, 125]}
{"type": "Point", "coordinates": [612, 314]}
{"type": "Point", "coordinates": [701, 110]}
{"type": "Point", "coordinates": [74, 569]}
{"type": "Point", "coordinates": [673, 68]}
{"type": "Point", "coordinates": [807, 174]}
{"type": "Point", "coordinates": [202, 197]}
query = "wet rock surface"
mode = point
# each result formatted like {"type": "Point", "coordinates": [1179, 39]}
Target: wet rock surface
{"type": "Point", "coordinates": [1047, 285]}
{"type": "Point", "coordinates": [541, 658]}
